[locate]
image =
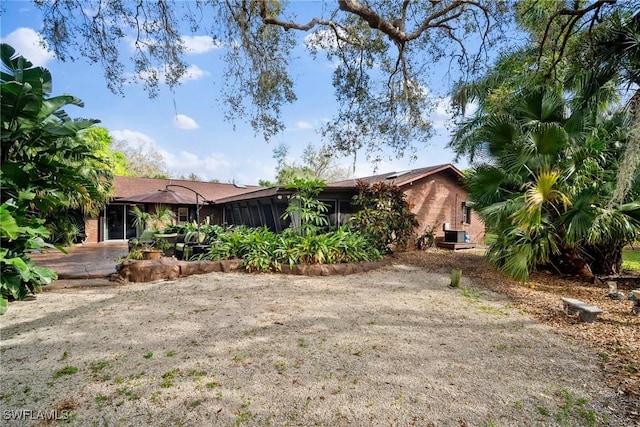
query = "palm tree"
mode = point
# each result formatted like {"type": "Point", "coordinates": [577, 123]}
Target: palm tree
{"type": "Point", "coordinates": [550, 169]}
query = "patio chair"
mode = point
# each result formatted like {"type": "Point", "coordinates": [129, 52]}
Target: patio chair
{"type": "Point", "coordinates": [184, 250]}
{"type": "Point", "coordinates": [145, 239]}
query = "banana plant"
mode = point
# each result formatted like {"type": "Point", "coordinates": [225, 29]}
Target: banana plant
{"type": "Point", "coordinates": [46, 168]}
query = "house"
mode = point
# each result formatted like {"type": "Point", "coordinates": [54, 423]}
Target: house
{"type": "Point", "coordinates": [189, 200]}
{"type": "Point", "coordinates": [436, 195]}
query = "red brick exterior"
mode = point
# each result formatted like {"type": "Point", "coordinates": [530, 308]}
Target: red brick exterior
{"type": "Point", "coordinates": [91, 230]}
{"type": "Point", "coordinates": [437, 199]}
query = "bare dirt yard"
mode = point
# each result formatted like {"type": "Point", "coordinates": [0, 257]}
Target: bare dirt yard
{"type": "Point", "coordinates": [392, 347]}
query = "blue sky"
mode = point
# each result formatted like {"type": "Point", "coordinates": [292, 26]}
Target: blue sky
{"type": "Point", "coordinates": [187, 127]}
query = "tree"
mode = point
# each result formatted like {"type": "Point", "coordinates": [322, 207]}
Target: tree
{"type": "Point", "coordinates": [103, 141]}
{"type": "Point", "coordinates": [308, 215]}
{"type": "Point", "coordinates": [141, 158]}
{"type": "Point", "coordinates": [46, 168]}
{"type": "Point", "coordinates": [548, 173]}
{"type": "Point", "coordinates": [384, 216]}
{"type": "Point", "coordinates": [317, 163]}
{"type": "Point", "coordinates": [383, 53]}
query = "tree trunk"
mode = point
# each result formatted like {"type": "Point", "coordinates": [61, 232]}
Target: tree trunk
{"type": "Point", "coordinates": [606, 259]}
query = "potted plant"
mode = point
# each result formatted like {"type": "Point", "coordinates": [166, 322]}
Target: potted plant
{"type": "Point", "coordinates": [151, 253]}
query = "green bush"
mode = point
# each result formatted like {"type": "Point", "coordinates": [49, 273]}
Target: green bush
{"type": "Point", "coordinates": [302, 243]}
{"type": "Point", "coordinates": [262, 250]}
{"type": "Point", "coordinates": [384, 216]}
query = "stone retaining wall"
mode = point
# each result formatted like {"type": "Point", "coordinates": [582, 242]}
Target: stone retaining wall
{"type": "Point", "coordinates": [171, 269]}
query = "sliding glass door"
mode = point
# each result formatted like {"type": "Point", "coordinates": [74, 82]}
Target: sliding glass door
{"type": "Point", "coordinates": [118, 223]}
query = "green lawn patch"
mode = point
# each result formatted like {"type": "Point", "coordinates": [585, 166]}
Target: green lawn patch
{"type": "Point", "coordinates": [631, 260]}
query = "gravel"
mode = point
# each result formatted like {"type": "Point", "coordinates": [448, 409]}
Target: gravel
{"type": "Point", "coordinates": [393, 347]}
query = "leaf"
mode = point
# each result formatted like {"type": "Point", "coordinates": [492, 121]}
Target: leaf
{"type": "Point", "coordinates": [4, 304]}
{"type": "Point", "coordinates": [9, 228]}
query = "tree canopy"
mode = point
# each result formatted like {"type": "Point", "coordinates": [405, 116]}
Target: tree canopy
{"type": "Point", "coordinates": [317, 163]}
{"type": "Point", "coordinates": [384, 53]}
{"type": "Point", "coordinates": [556, 149]}
{"type": "Point", "coordinates": [48, 167]}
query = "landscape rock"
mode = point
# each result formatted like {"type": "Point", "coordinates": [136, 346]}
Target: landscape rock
{"type": "Point", "coordinates": [150, 270]}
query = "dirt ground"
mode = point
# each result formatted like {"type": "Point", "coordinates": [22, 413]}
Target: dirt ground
{"type": "Point", "coordinates": [393, 347]}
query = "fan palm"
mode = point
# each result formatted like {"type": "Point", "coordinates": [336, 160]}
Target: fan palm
{"type": "Point", "coordinates": [551, 170]}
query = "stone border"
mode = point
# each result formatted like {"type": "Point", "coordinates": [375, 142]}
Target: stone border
{"type": "Point", "coordinates": [171, 269]}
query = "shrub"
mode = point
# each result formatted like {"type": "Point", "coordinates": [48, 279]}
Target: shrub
{"type": "Point", "coordinates": [308, 215]}
{"type": "Point", "coordinates": [384, 215]}
{"type": "Point", "coordinates": [262, 250]}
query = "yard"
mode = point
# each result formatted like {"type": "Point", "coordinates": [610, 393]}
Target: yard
{"type": "Point", "coordinates": [390, 347]}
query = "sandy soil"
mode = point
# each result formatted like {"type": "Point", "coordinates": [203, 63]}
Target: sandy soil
{"type": "Point", "coordinates": [394, 347]}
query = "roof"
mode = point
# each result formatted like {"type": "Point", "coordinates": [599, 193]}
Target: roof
{"type": "Point", "coordinates": [127, 187]}
{"type": "Point", "coordinates": [348, 185]}
{"type": "Point", "coordinates": [401, 178]}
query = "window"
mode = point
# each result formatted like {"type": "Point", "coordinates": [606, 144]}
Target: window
{"type": "Point", "coordinates": [466, 212]}
{"type": "Point", "coordinates": [183, 215]}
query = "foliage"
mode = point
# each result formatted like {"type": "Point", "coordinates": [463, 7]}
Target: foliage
{"type": "Point", "coordinates": [557, 151]}
{"type": "Point", "coordinates": [428, 238]}
{"type": "Point", "coordinates": [140, 218]}
{"type": "Point", "coordinates": [141, 159]}
{"type": "Point", "coordinates": [317, 163]}
{"type": "Point", "coordinates": [631, 260]}
{"type": "Point", "coordinates": [47, 169]}
{"type": "Point", "coordinates": [384, 215]}
{"type": "Point", "coordinates": [544, 190]}
{"type": "Point", "coordinates": [262, 250]}
{"type": "Point", "coordinates": [308, 215]}
{"type": "Point", "coordinates": [20, 234]}
{"type": "Point", "coordinates": [66, 228]}
{"type": "Point", "coordinates": [383, 52]}
{"type": "Point", "coordinates": [162, 217]}
{"type": "Point", "coordinates": [101, 138]}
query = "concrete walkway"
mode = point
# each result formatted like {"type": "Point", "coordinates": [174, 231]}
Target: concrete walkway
{"type": "Point", "coordinates": [90, 264]}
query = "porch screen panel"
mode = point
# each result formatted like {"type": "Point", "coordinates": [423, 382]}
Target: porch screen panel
{"type": "Point", "coordinates": [237, 217]}
{"type": "Point", "coordinates": [268, 216]}
{"type": "Point", "coordinates": [332, 212]}
{"type": "Point", "coordinates": [256, 220]}
{"type": "Point", "coordinates": [281, 208]}
{"type": "Point", "coordinates": [246, 218]}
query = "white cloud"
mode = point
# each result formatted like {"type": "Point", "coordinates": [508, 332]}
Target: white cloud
{"type": "Point", "coordinates": [443, 114]}
{"type": "Point", "coordinates": [185, 122]}
{"type": "Point", "coordinates": [214, 165]}
{"type": "Point", "coordinates": [300, 125]}
{"type": "Point", "coordinates": [134, 139]}
{"type": "Point", "coordinates": [201, 44]}
{"type": "Point", "coordinates": [194, 73]}
{"type": "Point", "coordinates": [27, 42]}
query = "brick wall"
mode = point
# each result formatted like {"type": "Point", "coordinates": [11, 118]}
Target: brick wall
{"type": "Point", "coordinates": [91, 230]}
{"type": "Point", "coordinates": [436, 200]}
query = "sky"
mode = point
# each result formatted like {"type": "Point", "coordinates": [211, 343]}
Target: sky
{"type": "Point", "coordinates": [187, 126]}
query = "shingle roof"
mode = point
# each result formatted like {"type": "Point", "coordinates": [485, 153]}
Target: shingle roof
{"type": "Point", "coordinates": [400, 178]}
{"type": "Point", "coordinates": [126, 187]}
{"type": "Point", "coordinates": [397, 178]}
